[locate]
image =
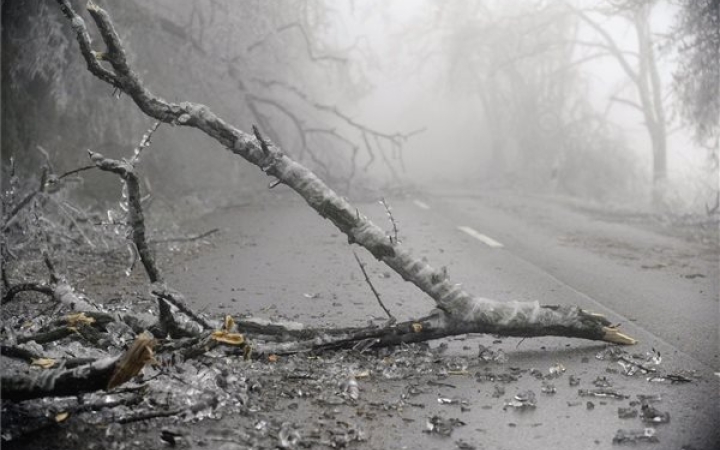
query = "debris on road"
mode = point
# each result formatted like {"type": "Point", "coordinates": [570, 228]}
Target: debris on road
{"type": "Point", "coordinates": [635, 436]}
{"type": "Point", "coordinates": [522, 401]}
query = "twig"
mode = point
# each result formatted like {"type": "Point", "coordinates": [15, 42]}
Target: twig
{"type": "Point", "coordinates": [24, 287]}
{"type": "Point", "coordinates": [144, 143]}
{"type": "Point", "coordinates": [185, 238]}
{"type": "Point", "coordinates": [175, 298]}
{"type": "Point", "coordinates": [26, 200]}
{"type": "Point", "coordinates": [372, 288]}
{"type": "Point", "coordinates": [263, 143]}
{"type": "Point", "coordinates": [150, 415]}
{"type": "Point", "coordinates": [54, 276]}
{"type": "Point", "coordinates": [388, 210]}
{"type": "Point", "coordinates": [308, 45]}
{"type": "Point", "coordinates": [74, 171]}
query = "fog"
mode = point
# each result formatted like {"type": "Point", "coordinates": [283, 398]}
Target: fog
{"type": "Point", "coordinates": [413, 88]}
{"type": "Point", "coordinates": [573, 99]}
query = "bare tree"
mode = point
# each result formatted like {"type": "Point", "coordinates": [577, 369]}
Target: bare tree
{"type": "Point", "coordinates": [697, 77]}
{"type": "Point", "coordinates": [641, 69]}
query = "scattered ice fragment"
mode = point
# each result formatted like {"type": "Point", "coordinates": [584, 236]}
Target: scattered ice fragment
{"type": "Point", "coordinates": [523, 400]}
{"type": "Point", "coordinates": [345, 433]}
{"type": "Point", "coordinates": [628, 369]}
{"type": "Point", "coordinates": [602, 382]}
{"type": "Point", "coordinates": [627, 413]}
{"type": "Point", "coordinates": [350, 388]}
{"type": "Point", "coordinates": [633, 436]}
{"type": "Point", "coordinates": [442, 426]}
{"type": "Point", "coordinates": [453, 401]}
{"type": "Point", "coordinates": [601, 392]}
{"type": "Point", "coordinates": [556, 370]}
{"type": "Point", "coordinates": [537, 373]}
{"type": "Point", "coordinates": [499, 391]}
{"type": "Point", "coordinates": [647, 398]}
{"type": "Point", "coordinates": [650, 414]}
{"type": "Point", "coordinates": [610, 352]}
{"type": "Point", "coordinates": [573, 380]}
{"type": "Point", "coordinates": [489, 355]}
{"type": "Point", "coordinates": [288, 437]}
{"type": "Point", "coordinates": [548, 388]}
{"type": "Point", "coordinates": [653, 357]}
{"type": "Point", "coordinates": [464, 445]}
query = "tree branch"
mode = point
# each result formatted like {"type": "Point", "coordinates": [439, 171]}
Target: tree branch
{"type": "Point", "coordinates": [308, 45]}
{"type": "Point", "coordinates": [462, 309]}
{"type": "Point", "coordinates": [627, 102]}
{"type": "Point", "coordinates": [612, 46]}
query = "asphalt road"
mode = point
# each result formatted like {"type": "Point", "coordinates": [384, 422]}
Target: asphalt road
{"type": "Point", "coordinates": [665, 285]}
{"type": "Point", "coordinates": [280, 260]}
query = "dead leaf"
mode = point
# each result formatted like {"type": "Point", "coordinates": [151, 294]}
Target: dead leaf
{"type": "Point", "coordinates": [74, 320]}
{"type": "Point", "coordinates": [229, 323]}
{"type": "Point", "coordinates": [228, 338]}
{"type": "Point", "coordinates": [45, 363]}
{"type": "Point", "coordinates": [247, 352]}
{"type": "Point", "coordinates": [417, 327]}
{"type": "Point", "coordinates": [273, 358]}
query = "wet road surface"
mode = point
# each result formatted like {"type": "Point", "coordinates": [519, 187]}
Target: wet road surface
{"type": "Point", "coordinates": [280, 260]}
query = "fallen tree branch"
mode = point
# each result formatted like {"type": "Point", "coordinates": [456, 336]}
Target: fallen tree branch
{"type": "Point", "coordinates": [439, 325]}
{"type": "Point", "coordinates": [462, 309]}
{"type": "Point", "coordinates": [101, 374]}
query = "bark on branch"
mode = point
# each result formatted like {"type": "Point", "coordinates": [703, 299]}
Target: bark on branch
{"type": "Point", "coordinates": [105, 373]}
{"type": "Point", "coordinates": [461, 309]}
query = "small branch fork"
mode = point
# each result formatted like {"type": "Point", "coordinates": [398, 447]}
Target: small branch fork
{"type": "Point", "coordinates": [396, 140]}
{"type": "Point", "coordinates": [136, 221]}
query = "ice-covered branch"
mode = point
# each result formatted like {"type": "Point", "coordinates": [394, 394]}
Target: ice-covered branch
{"type": "Point", "coordinates": [461, 308]}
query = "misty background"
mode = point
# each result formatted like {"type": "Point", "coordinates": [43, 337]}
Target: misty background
{"type": "Point", "coordinates": [580, 99]}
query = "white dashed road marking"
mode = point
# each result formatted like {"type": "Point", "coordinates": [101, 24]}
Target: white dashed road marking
{"type": "Point", "coordinates": [490, 242]}
{"type": "Point", "coordinates": [421, 205]}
